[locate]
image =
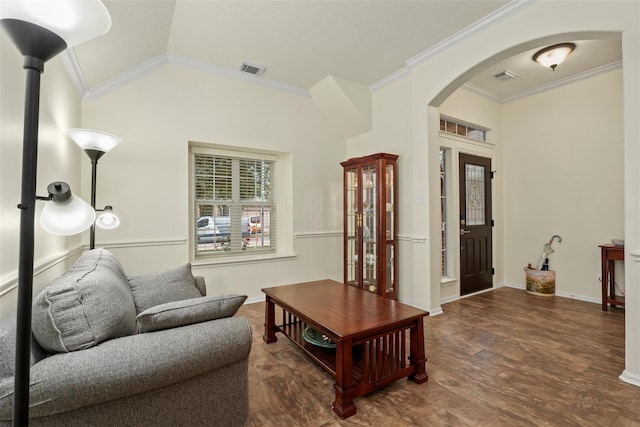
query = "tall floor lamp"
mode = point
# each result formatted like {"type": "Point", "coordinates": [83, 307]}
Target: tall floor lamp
{"type": "Point", "coordinates": [95, 144]}
{"type": "Point", "coordinates": [40, 30]}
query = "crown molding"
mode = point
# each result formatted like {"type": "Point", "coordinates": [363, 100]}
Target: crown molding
{"type": "Point", "coordinates": [563, 82]}
{"type": "Point", "coordinates": [389, 79]}
{"type": "Point", "coordinates": [510, 8]}
{"type": "Point", "coordinates": [127, 77]}
{"type": "Point", "coordinates": [491, 95]}
{"type": "Point", "coordinates": [74, 70]}
{"type": "Point", "coordinates": [543, 88]}
{"type": "Point", "coordinates": [236, 74]}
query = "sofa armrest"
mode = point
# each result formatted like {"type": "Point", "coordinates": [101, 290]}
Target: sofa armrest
{"type": "Point", "coordinates": [130, 365]}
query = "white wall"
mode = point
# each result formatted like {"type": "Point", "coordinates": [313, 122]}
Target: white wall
{"type": "Point", "coordinates": [58, 160]}
{"type": "Point", "coordinates": [430, 81]}
{"type": "Point", "coordinates": [146, 177]}
{"type": "Point", "coordinates": [391, 134]}
{"type": "Point", "coordinates": [561, 174]}
{"type": "Point", "coordinates": [563, 163]}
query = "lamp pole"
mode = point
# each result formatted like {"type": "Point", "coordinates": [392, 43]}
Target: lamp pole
{"type": "Point", "coordinates": [94, 155]}
{"type": "Point", "coordinates": [37, 45]}
{"type": "Point", "coordinates": [34, 67]}
{"type": "Point", "coordinates": [38, 40]}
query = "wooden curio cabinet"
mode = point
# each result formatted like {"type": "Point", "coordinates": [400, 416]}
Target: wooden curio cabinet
{"type": "Point", "coordinates": [370, 224]}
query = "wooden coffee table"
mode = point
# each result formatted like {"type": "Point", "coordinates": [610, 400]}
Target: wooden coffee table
{"type": "Point", "coordinates": [369, 333]}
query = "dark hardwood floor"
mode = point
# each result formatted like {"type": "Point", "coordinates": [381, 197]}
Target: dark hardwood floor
{"type": "Point", "coordinates": [501, 358]}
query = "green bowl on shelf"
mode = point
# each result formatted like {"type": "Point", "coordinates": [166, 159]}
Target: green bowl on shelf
{"type": "Point", "coordinates": [317, 338]}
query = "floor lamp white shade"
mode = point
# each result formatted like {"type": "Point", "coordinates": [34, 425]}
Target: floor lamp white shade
{"type": "Point", "coordinates": [108, 220]}
{"type": "Point", "coordinates": [67, 217]}
{"type": "Point", "coordinates": [74, 21]}
{"type": "Point", "coordinates": [89, 139]}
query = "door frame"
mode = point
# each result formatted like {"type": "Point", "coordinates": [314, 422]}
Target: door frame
{"type": "Point", "coordinates": [454, 146]}
{"type": "Point", "coordinates": [478, 232]}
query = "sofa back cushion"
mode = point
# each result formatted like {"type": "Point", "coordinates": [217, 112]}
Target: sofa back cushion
{"type": "Point", "coordinates": [89, 304]}
{"type": "Point", "coordinates": [154, 289]}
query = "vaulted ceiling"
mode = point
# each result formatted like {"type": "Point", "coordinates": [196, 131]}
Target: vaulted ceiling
{"type": "Point", "coordinates": [300, 42]}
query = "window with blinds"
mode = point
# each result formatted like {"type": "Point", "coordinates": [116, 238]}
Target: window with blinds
{"type": "Point", "coordinates": [234, 204]}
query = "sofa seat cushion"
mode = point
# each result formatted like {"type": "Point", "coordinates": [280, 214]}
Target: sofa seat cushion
{"type": "Point", "coordinates": [186, 312]}
{"type": "Point", "coordinates": [154, 289]}
{"type": "Point", "coordinates": [89, 304]}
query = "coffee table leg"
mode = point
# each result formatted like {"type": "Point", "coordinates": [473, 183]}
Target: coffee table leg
{"type": "Point", "coordinates": [345, 391]}
{"type": "Point", "coordinates": [417, 357]}
{"type": "Point", "coordinates": [269, 321]}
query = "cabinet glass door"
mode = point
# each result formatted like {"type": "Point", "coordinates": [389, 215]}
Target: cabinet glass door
{"type": "Point", "coordinates": [351, 221]}
{"type": "Point", "coordinates": [369, 231]}
{"type": "Point", "coordinates": [390, 232]}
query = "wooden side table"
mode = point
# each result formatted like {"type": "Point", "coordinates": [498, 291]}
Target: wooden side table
{"type": "Point", "coordinates": [610, 254]}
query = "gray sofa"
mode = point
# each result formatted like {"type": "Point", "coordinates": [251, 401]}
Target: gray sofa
{"type": "Point", "coordinates": [111, 349]}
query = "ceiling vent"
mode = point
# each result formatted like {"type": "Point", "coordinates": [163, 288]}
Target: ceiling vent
{"type": "Point", "coordinates": [506, 75]}
{"type": "Point", "coordinates": [252, 69]}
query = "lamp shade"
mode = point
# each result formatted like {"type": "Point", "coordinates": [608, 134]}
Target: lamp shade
{"type": "Point", "coordinates": [65, 214]}
{"type": "Point", "coordinates": [108, 220]}
{"type": "Point", "coordinates": [555, 55]}
{"type": "Point", "coordinates": [89, 139]}
{"type": "Point", "coordinates": [74, 21]}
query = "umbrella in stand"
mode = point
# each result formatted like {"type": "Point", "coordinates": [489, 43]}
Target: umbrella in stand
{"type": "Point", "coordinates": [546, 251]}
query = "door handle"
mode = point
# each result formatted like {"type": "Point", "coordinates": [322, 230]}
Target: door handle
{"type": "Point", "coordinates": [464, 231]}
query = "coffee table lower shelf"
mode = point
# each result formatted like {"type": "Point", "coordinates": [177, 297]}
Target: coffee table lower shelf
{"type": "Point", "coordinates": [376, 360]}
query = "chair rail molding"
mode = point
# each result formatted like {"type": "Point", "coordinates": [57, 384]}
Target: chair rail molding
{"type": "Point", "coordinates": [10, 282]}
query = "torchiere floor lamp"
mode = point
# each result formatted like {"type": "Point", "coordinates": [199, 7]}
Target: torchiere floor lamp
{"type": "Point", "coordinates": [40, 30]}
{"type": "Point", "coordinates": [95, 144]}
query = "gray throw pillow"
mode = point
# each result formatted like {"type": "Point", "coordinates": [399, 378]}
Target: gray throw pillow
{"type": "Point", "coordinates": [87, 305]}
{"type": "Point", "coordinates": [186, 312]}
{"type": "Point", "coordinates": [154, 289]}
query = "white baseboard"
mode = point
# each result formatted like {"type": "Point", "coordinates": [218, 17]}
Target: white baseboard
{"type": "Point", "coordinates": [630, 377]}
{"type": "Point", "coordinates": [559, 294]}
{"type": "Point", "coordinates": [258, 298]}
{"type": "Point", "coordinates": [436, 311]}
{"type": "Point", "coordinates": [449, 299]}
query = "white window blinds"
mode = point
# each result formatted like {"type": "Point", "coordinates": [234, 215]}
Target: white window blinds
{"type": "Point", "coordinates": [234, 204]}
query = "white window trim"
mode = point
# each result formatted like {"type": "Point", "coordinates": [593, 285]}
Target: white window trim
{"type": "Point", "coordinates": [284, 203]}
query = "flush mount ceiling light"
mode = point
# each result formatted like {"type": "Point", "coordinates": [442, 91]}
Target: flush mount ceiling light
{"type": "Point", "coordinates": [553, 56]}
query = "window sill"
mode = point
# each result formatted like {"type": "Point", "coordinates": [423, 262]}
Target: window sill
{"type": "Point", "coordinates": [241, 259]}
